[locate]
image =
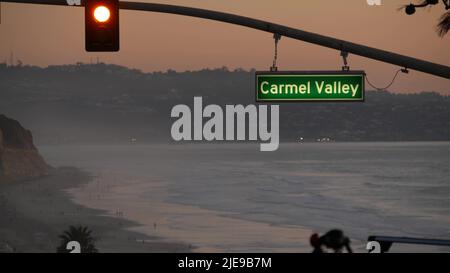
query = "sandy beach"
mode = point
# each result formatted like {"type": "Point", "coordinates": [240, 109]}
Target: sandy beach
{"type": "Point", "coordinates": [35, 212]}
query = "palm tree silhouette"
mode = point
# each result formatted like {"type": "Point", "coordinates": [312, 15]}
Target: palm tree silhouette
{"type": "Point", "coordinates": [443, 26]}
{"type": "Point", "coordinates": [80, 234]}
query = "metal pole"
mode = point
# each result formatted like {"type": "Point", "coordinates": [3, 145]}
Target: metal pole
{"type": "Point", "coordinates": [341, 45]}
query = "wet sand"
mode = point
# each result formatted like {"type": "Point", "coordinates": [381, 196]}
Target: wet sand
{"type": "Point", "coordinates": [145, 200]}
{"type": "Point", "coordinates": [33, 214]}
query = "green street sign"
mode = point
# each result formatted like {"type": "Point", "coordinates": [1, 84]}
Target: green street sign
{"type": "Point", "coordinates": [294, 86]}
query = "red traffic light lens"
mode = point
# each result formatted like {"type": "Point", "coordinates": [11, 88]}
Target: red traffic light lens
{"type": "Point", "coordinates": [102, 14]}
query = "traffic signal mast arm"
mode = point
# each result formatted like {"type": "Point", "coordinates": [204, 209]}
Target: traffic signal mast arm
{"type": "Point", "coordinates": [341, 45]}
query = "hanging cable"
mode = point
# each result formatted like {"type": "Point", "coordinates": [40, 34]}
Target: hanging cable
{"type": "Point", "coordinates": [403, 70]}
{"type": "Point", "coordinates": [276, 38]}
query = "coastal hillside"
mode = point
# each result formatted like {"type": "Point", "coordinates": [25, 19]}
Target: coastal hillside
{"type": "Point", "coordinates": [19, 158]}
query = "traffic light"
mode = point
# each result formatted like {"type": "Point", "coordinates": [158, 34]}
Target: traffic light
{"type": "Point", "coordinates": [101, 19]}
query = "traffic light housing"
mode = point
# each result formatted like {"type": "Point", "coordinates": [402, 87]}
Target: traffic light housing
{"type": "Point", "coordinates": [101, 18]}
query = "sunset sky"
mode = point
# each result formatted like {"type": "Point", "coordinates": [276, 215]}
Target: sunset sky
{"type": "Point", "coordinates": [43, 35]}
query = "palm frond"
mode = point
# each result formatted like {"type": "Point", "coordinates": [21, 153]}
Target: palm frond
{"type": "Point", "coordinates": [444, 24]}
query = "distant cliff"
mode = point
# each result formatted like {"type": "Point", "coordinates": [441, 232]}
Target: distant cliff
{"type": "Point", "coordinates": [19, 158]}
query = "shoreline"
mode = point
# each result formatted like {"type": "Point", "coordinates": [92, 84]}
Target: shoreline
{"type": "Point", "coordinates": [35, 212]}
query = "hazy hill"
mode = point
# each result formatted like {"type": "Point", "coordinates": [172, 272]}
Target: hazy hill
{"type": "Point", "coordinates": [110, 103]}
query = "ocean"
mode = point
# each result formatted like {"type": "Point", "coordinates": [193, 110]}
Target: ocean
{"type": "Point", "coordinates": [234, 198]}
